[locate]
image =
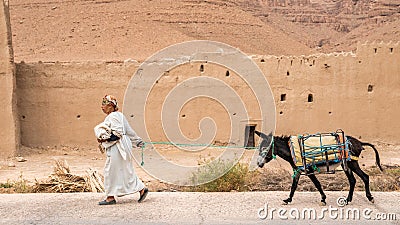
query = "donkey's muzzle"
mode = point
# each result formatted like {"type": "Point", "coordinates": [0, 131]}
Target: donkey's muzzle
{"type": "Point", "coordinates": [260, 162]}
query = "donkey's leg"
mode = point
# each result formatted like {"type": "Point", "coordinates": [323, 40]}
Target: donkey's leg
{"type": "Point", "coordinates": [356, 168]}
{"type": "Point", "coordinates": [352, 182]}
{"type": "Point", "coordinates": [293, 188]}
{"type": "Point", "coordinates": [318, 186]}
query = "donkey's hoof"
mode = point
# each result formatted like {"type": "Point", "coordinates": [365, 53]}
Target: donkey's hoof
{"type": "Point", "coordinates": [322, 203]}
{"type": "Point", "coordinates": [286, 201]}
{"type": "Point", "coordinates": [372, 200]}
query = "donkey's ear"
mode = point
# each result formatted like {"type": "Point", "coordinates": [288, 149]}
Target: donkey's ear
{"type": "Point", "coordinates": [262, 135]}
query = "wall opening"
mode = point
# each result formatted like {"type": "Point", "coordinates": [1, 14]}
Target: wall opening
{"type": "Point", "coordinates": [287, 73]}
{"type": "Point", "coordinates": [249, 141]}
{"type": "Point", "coordinates": [310, 98]}
{"type": "Point", "coordinates": [370, 88]}
{"type": "Point", "coordinates": [391, 50]}
{"type": "Point", "coordinates": [283, 97]}
{"type": "Point", "coordinates": [201, 68]}
{"type": "Point", "coordinates": [375, 50]}
{"type": "Point", "coordinates": [262, 60]}
{"type": "Point", "coordinates": [281, 112]}
{"type": "Point", "coordinates": [227, 73]}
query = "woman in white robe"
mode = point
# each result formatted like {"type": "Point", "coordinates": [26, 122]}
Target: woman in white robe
{"type": "Point", "coordinates": [119, 175]}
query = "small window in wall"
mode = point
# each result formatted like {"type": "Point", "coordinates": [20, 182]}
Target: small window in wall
{"type": "Point", "coordinates": [262, 60]}
{"type": "Point", "coordinates": [391, 50]}
{"type": "Point", "coordinates": [249, 141]}
{"type": "Point", "coordinates": [202, 68]}
{"type": "Point", "coordinates": [227, 73]}
{"type": "Point", "coordinates": [283, 97]}
{"type": "Point", "coordinates": [375, 50]}
{"type": "Point", "coordinates": [287, 73]}
{"type": "Point", "coordinates": [370, 88]}
{"type": "Point", "coordinates": [310, 98]}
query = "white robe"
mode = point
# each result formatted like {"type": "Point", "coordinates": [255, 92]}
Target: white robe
{"type": "Point", "coordinates": [119, 175]}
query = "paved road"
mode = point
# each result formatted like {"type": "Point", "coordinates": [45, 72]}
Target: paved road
{"type": "Point", "coordinates": [194, 208]}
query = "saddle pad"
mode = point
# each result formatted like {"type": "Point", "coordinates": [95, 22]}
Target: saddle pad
{"type": "Point", "coordinates": [314, 148]}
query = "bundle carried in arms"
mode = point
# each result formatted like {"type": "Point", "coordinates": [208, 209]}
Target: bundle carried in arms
{"type": "Point", "coordinates": [321, 152]}
{"type": "Point", "coordinates": [62, 180]}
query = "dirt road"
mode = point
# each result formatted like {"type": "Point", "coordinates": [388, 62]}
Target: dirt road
{"type": "Point", "coordinates": [198, 208]}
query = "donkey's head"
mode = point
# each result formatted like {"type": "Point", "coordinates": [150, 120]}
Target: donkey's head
{"type": "Point", "coordinates": [265, 149]}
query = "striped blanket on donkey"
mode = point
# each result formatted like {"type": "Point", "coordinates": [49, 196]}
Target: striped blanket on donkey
{"type": "Point", "coordinates": [321, 152]}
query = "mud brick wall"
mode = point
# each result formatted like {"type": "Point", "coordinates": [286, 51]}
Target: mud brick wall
{"type": "Point", "coordinates": [9, 130]}
{"type": "Point", "coordinates": [59, 102]}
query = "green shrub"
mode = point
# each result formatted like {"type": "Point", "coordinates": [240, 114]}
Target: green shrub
{"type": "Point", "coordinates": [234, 178]}
{"type": "Point", "coordinates": [18, 186]}
{"type": "Point", "coordinates": [8, 184]}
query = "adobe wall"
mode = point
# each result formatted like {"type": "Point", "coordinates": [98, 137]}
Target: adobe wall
{"type": "Point", "coordinates": [358, 93]}
{"type": "Point", "coordinates": [9, 132]}
{"type": "Point", "coordinates": [59, 102]}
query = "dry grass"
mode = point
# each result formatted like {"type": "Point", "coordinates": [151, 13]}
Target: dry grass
{"type": "Point", "coordinates": [62, 180]}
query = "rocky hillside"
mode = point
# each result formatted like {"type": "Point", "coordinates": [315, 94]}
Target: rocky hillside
{"type": "Point", "coordinates": [122, 29]}
{"type": "Point", "coordinates": [331, 25]}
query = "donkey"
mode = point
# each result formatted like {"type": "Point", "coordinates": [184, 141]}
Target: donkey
{"type": "Point", "coordinates": [280, 147]}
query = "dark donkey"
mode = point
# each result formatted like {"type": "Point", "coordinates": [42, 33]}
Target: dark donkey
{"type": "Point", "coordinates": [280, 147]}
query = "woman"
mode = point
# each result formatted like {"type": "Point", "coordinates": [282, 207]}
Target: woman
{"type": "Point", "coordinates": [119, 175]}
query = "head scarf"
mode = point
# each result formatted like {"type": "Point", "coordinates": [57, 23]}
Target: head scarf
{"type": "Point", "coordinates": [110, 99]}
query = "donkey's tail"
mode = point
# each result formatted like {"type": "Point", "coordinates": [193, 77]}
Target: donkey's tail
{"type": "Point", "coordinates": [378, 161]}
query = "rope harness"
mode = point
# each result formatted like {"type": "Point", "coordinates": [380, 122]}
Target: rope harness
{"type": "Point", "coordinates": [191, 145]}
{"type": "Point", "coordinates": [265, 151]}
